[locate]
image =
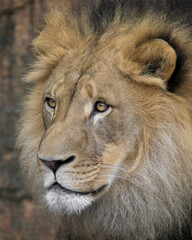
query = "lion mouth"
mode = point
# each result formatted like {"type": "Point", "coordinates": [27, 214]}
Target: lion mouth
{"type": "Point", "coordinates": [56, 186]}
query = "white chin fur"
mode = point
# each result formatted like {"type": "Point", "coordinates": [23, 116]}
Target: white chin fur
{"type": "Point", "coordinates": [60, 202]}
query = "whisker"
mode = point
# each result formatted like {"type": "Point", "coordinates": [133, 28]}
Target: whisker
{"type": "Point", "coordinates": [127, 178]}
{"type": "Point", "coordinates": [115, 176]}
{"type": "Point", "coordinates": [112, 166]}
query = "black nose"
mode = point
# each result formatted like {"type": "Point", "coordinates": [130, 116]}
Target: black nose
{"type": "Point", "coordinates": [55, 164]}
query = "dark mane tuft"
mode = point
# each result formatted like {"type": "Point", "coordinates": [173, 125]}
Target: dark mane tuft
{"type": "Point", "coordinates": [101, 12]}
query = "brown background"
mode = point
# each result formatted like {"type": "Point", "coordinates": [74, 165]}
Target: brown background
{"type": "Point", "coordinates": [19, 21]}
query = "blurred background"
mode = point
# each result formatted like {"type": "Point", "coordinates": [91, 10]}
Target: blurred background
{"type": "Point", "coordinates": [19, 22]}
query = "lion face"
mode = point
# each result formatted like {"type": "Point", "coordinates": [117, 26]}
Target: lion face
{"type": "Point", "coordinates": [91, 127]}
{"type": "Point", "coordinates": [94, 112]}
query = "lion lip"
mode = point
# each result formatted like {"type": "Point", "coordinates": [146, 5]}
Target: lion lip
{"type": "Point", "coordinates": [56, 185]}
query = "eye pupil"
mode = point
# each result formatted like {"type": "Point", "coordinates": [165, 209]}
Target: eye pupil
{"type": "Point", "coordinates": [100, 107]}
{"type": "Point", "coordinates": [51, 102]}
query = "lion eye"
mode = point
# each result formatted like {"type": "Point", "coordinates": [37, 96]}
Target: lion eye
{"type": "Point", "coordinates": [51, 102]}
{"type": "Point", "coordinates": [101, 107]}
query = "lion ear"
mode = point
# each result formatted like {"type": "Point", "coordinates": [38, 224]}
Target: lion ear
{"type": "Point", "coordinates": [152, 61]}
{"type": "Point", "coordinates": [156, 58]}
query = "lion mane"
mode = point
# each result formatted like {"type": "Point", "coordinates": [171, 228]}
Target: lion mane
{"type": "Point", "coordinates": [148, 44]}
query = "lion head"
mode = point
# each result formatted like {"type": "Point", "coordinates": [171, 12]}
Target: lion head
{"type": "Point", "coordinates": [101, 136]}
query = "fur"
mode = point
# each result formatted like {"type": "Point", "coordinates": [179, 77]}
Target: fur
{"type": "Point", "coordinates": [144, 151]}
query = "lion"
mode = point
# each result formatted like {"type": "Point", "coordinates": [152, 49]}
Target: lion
{"type": "Point", "coordinates": [105, 134]}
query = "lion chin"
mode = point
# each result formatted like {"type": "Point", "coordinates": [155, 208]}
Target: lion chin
{"type": "Point", "coordinates": [60, 202]}
{"type": "Point", "coordinates": [105, 135]}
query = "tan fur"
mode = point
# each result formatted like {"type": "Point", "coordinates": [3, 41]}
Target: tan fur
{"type": "Point", "coordinates": [141, 148]}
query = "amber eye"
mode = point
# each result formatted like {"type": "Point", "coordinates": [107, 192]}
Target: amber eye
{"type": "Point", "coordinates": [51, 102]}
{"type": "Point", "coordinates": [101, 107]}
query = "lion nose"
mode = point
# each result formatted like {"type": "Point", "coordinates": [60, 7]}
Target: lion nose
{"type": "Point", "coordinates": [55, 164]}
